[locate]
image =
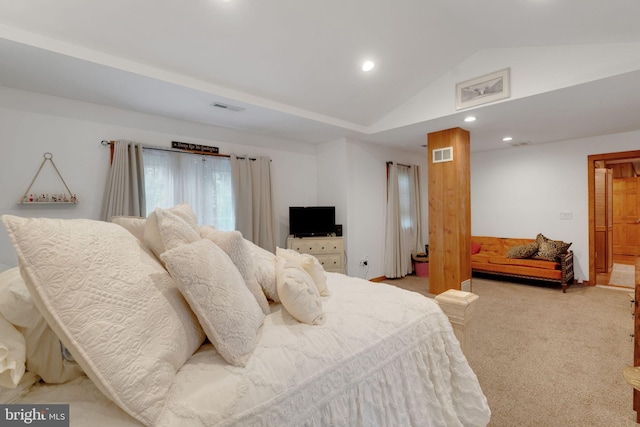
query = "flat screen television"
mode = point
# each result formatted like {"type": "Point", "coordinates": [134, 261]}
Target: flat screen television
{"type": "Point", "coordinates": [312, 221]}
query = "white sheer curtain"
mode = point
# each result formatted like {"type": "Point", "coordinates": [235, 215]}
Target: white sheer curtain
{"type": "Point", "coordinates": [403, 221]}
{"type": "Point", "coordinates": [253, 202]}
{"type": "Point", "coordinates": [202, 181]}
{"type": "Point", "coordinates": [125, 193]}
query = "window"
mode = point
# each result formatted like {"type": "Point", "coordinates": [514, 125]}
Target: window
{"type": "Point", "coordinates": [202, 181]}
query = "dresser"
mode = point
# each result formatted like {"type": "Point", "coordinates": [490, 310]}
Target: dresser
{"type": "Point", "coordinates": [328, 250]}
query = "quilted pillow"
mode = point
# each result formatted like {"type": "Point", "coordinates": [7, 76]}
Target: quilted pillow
{"type": "Point", "coordinates": [308, 263]}
{"type": "Point", "coordinates": [167, 228]}
{"type": "Point", "coordinates": [298, 293]}
{"type": "Point", "coordinates": [236, 247]}
{"type": "Point", "coordinates": [265, 270]}
{"type": "Point", "coordinates": [105, 297]}
{"type": "Point", "coordinates": [523, 251]}
{"type": "Point", "coordinates": [216, 292]}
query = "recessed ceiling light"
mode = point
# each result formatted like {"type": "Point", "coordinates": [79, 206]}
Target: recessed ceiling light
{"type": "Point", "coordinates": [470, 119]}
{"type": "Point", "coordinates": [507, 138]}
{"type": "Point", "coordinates": [368, 66]}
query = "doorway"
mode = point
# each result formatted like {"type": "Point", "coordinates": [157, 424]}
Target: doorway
{"type": "Point", "coordinates": [622, 237]}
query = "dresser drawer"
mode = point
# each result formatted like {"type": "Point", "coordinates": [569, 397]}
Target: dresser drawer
{"type": "Point", "coordinates": [328, 250]}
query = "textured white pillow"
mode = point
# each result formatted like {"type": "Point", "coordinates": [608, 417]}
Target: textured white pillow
{"type": "Point", "coordinates": [298, 293]}
{"type": "Point", "coordinates": [216, 292]}
{"type": "Point", "coordinates": [308, 263]}
{"type": "Point", "coordinates": [112, 305]}
{"type": "Point", "coordinates": [179, 222]}
{"type": "Point", "coordinates": [236, 247]}
{"type": "Point", "coordinates": [43, 347]}
{"type": "Point", "coordinates": [12, 354]}
{"type": "Point", "coordinates": [265, 271]}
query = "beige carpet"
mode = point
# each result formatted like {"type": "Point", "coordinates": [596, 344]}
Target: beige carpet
{"type": "Point", "coordinates": [544, 358]}
{"type": "Point", "coordinates": [623, 275]}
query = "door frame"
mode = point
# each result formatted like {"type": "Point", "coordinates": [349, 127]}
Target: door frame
{"type": "Point", "coordinates": [591, 160]}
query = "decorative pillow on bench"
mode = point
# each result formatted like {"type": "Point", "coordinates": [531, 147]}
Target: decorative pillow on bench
{"type": "Point", "coordinates": [523, 251]}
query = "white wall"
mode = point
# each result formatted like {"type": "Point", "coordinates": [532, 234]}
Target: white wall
{"type": "Point", "coordinates": [519, 192]}
{"type": "Point", "coordinates": [32, 124]}
{"type": "Point", "coordinates": [352, 175]}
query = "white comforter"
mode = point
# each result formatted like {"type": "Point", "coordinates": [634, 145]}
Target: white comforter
{"type": "Point", "coordinates": [384, 357]}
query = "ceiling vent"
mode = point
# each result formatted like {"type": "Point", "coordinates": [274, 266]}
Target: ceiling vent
{"type": "Point", "coordinates": [227, 107]}
{"type": "Point", "coordinates": [520, 143]}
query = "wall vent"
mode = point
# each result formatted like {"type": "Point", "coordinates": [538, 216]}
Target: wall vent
{"type": "Point", "coordinates": [442, 155]}
{"type": "Point", "coordinates": [227, 107]}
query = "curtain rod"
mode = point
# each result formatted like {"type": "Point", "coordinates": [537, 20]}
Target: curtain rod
{"type": "Point", "coordinates": [175, 150]}
{"type": "Point", "coordinates": [399, 164]}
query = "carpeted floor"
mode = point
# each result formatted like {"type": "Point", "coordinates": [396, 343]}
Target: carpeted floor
{"type": "Point", "coordinates": [623, 275]}
{"type": "Point", "coordinates": [544, 358]}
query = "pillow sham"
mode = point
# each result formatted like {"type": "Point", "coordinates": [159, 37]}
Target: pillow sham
{"type": "Point", "coordinates": [308, 263]}
{"type": "Point", "coordinates": [105, 297]}
{"type": "Point", "coordinates": [44, 351]}
{"type": "Point", "coordinates": [298, 293]}
{"type": "Point", "coordinates": [235, 246]}
{"type": "Point", "coordinates": [217, 293]}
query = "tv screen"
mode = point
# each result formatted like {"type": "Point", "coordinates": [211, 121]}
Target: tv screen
{"type": "Point", "coordinates": [312, 221]}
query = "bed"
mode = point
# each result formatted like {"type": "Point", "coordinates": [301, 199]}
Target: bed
{"type": "Point", "coordinates": [162, 322]}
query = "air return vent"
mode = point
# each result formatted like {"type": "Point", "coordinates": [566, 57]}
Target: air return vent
{"type": "Point", "coordinates": [227, 107]}
{"type": "Point", "coordinates": [442, 155]}
{"type": "Point", "coordinates": [519, 143]}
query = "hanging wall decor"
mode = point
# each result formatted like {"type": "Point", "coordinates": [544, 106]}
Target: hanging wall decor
{"type": "Point", "coordinates": [31, 197]}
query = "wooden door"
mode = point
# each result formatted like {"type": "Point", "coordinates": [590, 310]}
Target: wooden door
{"type": "Point", "coordinates": [626, 216]}
{"type": "Point", "coordinates": [603, 195]}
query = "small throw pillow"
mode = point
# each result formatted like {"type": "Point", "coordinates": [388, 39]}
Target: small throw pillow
{"type": "Point", "coordinates": [216, 292]}
{"type": "Point", "coordinates": [475, 248]}
{"type": "Point", "coordinates": [523, 251]}
{"type": "Point", "coordinates": [308, 263]}
{"type": "Point", "coordinates": [236, 247]}
{"type": "Point", "coordinates": [550, 250]}
{"type": "Point", "coordinates": [298, 293]}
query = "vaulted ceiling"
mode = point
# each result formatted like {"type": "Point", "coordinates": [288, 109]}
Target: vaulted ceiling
{"type": "Point", "coordinates": [294, 67]}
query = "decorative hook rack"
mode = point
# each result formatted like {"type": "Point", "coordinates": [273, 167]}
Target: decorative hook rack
{"type": "Point", "coordinates": [62, 198]}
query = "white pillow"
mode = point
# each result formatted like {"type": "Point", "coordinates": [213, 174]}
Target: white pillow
{"type": "Point", "coordinates": [182, 223]}
{"type": "Point", "coordinates": [236, 247]}
{"type": "Point", "coordinates": [44, 351]}
{"type": "Point", "coordinates": [133, 224]}
{"type": "Point", "coordinates": [310, 264]}
{"type": "Point", "coordinates": [216, 292]}
{"type": "Point", "coordinates": [265, 270]}
{"type": "Point", "coordinates": [298, 293]}
{"type": "Point", "coordinates": [113, 306]}
{"type": "Point", "coordinates": [12, 354]}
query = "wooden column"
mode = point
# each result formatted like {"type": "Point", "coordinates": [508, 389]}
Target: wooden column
{"type": "Point", "coordinates": [449, 212]}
